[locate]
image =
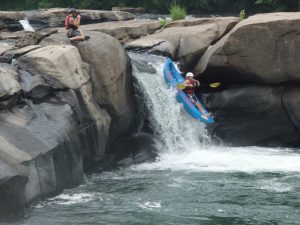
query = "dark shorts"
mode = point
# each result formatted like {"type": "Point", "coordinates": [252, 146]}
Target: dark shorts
{"type": "Point", "coordinates": [192, 97]}
{"type": "Point", "coordinates": [73, 33]}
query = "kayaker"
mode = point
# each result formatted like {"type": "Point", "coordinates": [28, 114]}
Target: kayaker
{"type": "Point", "coordinates": [72, 23]}
{"type": "Point", "coordinates": [190, 85]}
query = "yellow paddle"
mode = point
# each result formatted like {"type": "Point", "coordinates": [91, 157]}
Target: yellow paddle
{"type": "Point", "coordinates": [212, 85]}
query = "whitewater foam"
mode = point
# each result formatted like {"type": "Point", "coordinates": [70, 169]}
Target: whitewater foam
{"type": "Point", "coordinates": [226, 159]}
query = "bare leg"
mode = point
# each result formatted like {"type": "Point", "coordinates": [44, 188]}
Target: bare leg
{"type": "Point", "coordinates": [205, 115]}
{"type": "Point", "coordinates": [78, 38]}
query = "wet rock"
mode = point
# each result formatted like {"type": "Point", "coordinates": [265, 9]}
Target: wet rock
{"type": "Point", "coordinates": [291, 101]}
{"type": "Point", "coordinates": [252, 115]}
{"type": "Point", "coordinates": [34, 86]}
{"type": "Point", "coordinates": [10, 20]}
{"type": "Point", "coordinates": [41, 152]}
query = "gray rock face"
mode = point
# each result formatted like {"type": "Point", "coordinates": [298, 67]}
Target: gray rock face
{"type": "Point", "coordinates": [253, 115]}
{"type": "Point", "coordinates": [55, 17]}
{"type": "Point", "coordinates": [4, 48]}
{"type": "Point", "coordinates": [125, 31]}
{"type": "Point", "coordinates": [10, 20]}
{"type": "Point", "coordinates": [74, 100]}
{"type": "Point", "coordinates": [110, 75]}
{"type": "Point", "coordinates": [59, 65]}
{"type": "Point", "coordinates": [291, 100]}
{"type": "Point", "coordinates": [46, 18]}
{"type": "Point", "coordinates": [41, 152]}
{"type": "Point", "coordinates": [187, 40]}
{"type": "Point", "coordinates": [262, 48]}
{"type": "Point", "coordinates": [9, 84]}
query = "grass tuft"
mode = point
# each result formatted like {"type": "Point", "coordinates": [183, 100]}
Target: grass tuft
{"type": "Point", "coordinates": [177, 11]}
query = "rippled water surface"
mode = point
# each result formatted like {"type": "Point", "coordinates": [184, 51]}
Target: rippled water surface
{"type": "Point", "coordinates": [172, 194]}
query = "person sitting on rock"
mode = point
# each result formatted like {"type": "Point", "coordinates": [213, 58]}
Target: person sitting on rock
{"type": "Point", "coordinates": [190, 85]}
{"type": "Point", "coordinates": [72, 23]}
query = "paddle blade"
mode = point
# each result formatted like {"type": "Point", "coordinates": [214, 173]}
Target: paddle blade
{"type": "Point", "coordinates": [180, 86]}
{"type": "Point", "coordinates": [214, 85]}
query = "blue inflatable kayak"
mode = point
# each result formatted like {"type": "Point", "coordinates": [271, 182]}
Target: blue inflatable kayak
{"type": "Point", "coordinates": [173, 77]}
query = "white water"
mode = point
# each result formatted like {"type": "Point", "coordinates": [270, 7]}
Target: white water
{"type": "Point", "coordinates": [184, 141]}
{"type": "Point", "coordinates": [171, 124]}
{"type": "Point", "coordinates": [26, 25]}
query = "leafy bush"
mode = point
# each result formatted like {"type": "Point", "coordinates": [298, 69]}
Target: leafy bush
{"type": "Point", "coordinates": [163, 22]}
{"type": "Point", "coordinates": [243, 14]}
{"type": "Point", "coordinates": [177, 11]}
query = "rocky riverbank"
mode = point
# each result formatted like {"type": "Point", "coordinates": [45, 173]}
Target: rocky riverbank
{"type": "Point", "coordinates": [62, 104]}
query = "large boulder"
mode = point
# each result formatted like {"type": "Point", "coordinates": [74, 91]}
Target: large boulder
{"type": "Point", "coordinates": [61, 66]}
{"type": "Point", "coordinates": [110, 75]}
{"type": "Point", "coordinates": [41, 153]}
{"type": "Point", "coordinates": [125, 31]}
{"type": "Point", "coordinates": [57, 131]}
{"type": "Point", "coordinates": [186, 40]}
{"type": "Point", "coordinates": [10, 20]}
{"type": "Point", "coordinates": [4, 48]}
{"type": "Point", "coordinates": [34, 38]}
{"type": "Point", "coordinates": [253, 115]}
{"type": "Point", "coordinates": [55, 17]}
{"type": "Point", "coordinates": [9, 84]}
{"type": "Point", "coordinates": [262, 48]}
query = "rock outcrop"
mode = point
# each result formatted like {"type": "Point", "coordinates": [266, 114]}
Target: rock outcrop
{"type": "Point", "coordinates": [60, 106]}
{"type": "Point", "coordinates": [253, 115]}
{"type": "Point", "coordinates": [125, 31]}
{"type": "Point", "coordinates": [109, 73]}
{"type": "Point", "coordinates": [262, 49]}
{"type": "Point", "coordinates": [185, 41]}
{"type": "Point", "coordinates": [55, 17]}
{"type": "Point", "coordinates": [257, 61]}
{"type": "Point", "coordinates": [9, 84]}
{"type": "Point", "coordinates": [10, 20]}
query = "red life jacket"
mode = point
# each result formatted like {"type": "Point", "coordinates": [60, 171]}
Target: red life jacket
{"type": "Point", "coordinates": [68, 25]}
{"type": "Point", "coordinates": [191, 90]}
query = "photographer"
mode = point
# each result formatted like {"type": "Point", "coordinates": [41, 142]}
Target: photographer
{"type": "Point", "coordinates": [72, 23]}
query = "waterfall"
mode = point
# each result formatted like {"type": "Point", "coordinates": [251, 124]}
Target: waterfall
{"type": "Point", "coordinates": [26, 25]}
{"type": "Point", "coordinates": [175, 129]}
{"type": "Point", "coordinates": [184, 142]}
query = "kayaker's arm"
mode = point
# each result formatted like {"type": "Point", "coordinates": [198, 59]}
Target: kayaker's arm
{"type": "Point", "coordinates": [187, 83]}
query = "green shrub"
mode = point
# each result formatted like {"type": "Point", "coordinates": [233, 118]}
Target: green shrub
{"type": "Point", "coordinates": [243, 14]}
{"type": "Point", "coordinates": [177, 11]}
{"type": "Point", "coordinates": [163, 22]}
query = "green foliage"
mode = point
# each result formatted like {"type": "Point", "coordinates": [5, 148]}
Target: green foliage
{"type": "Point", "coordinates": [163, 22]}
{"type": "Point", "coordinates": [160, 6]}
{"type": "Point", "coordinates": [276, 5]}
{"type": "Point", "coordinates": [177, 11]}
{"type": "Point", "coordinates": [243, 14]}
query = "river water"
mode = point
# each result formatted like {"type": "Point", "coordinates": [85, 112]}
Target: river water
{"type": "Point", "coordinates": [192, 180]}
